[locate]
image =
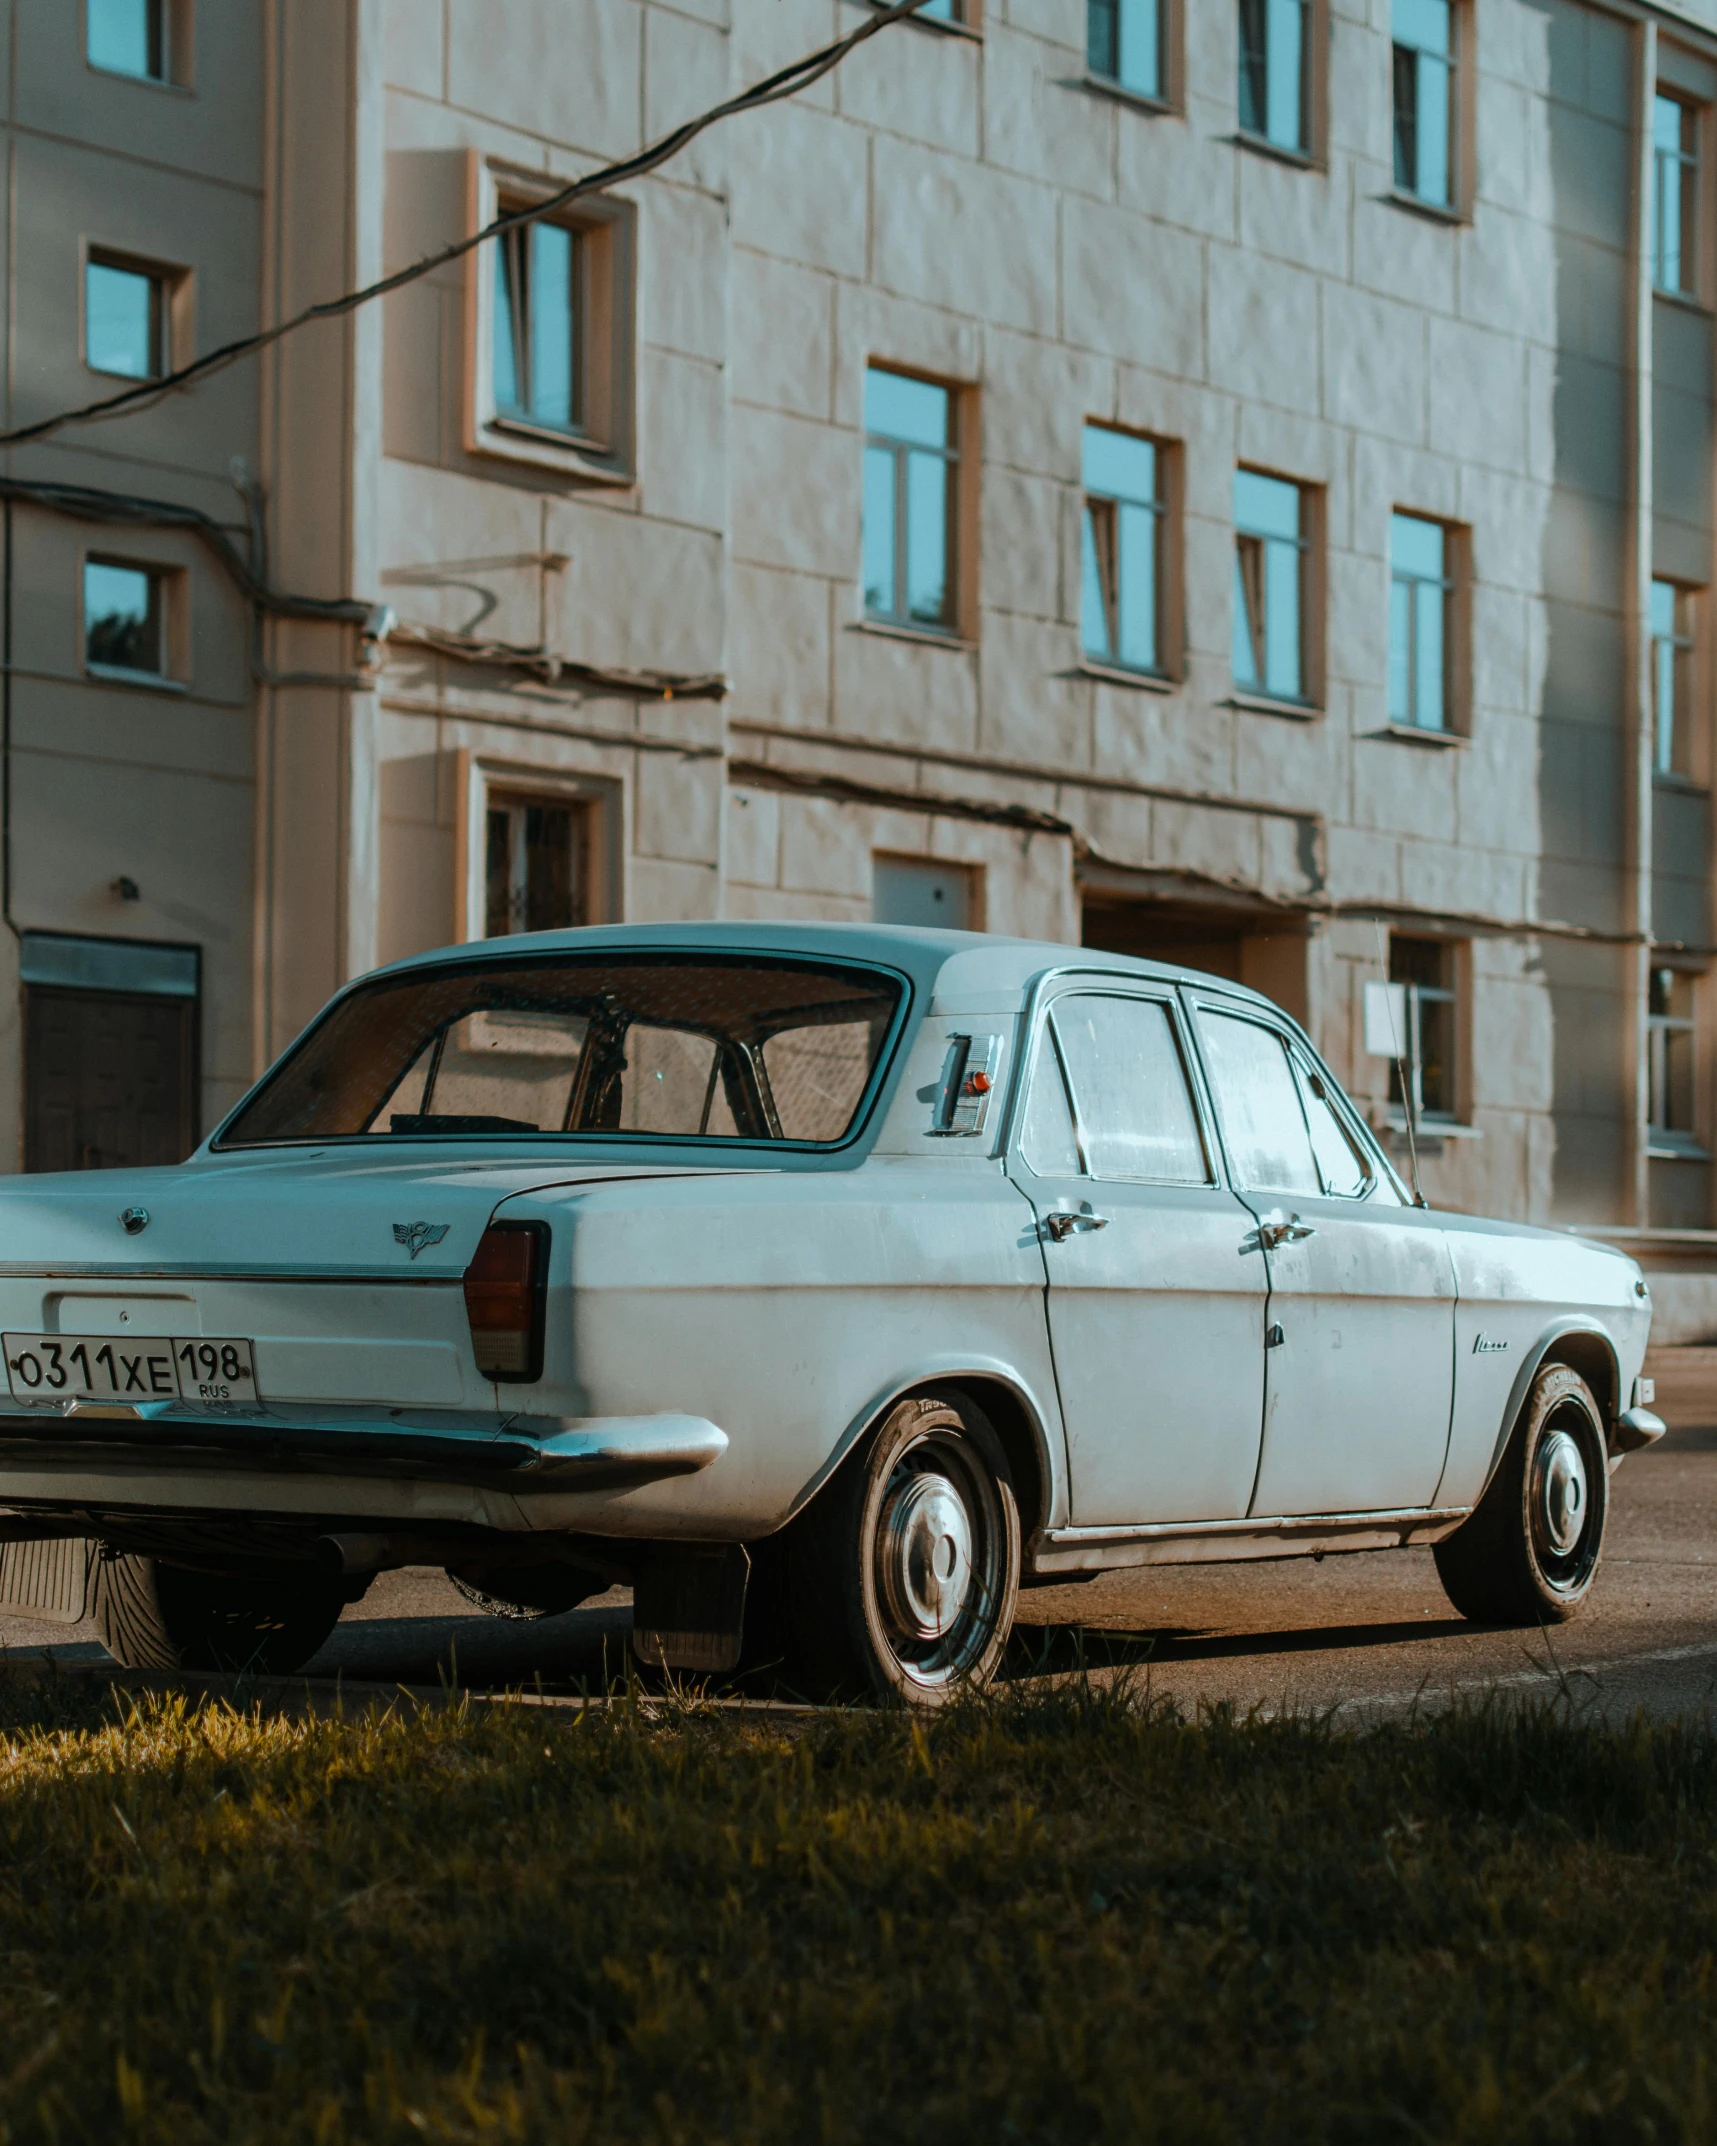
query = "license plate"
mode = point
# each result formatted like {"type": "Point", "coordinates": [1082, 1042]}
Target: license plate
{"type": "Point", "coordinates": [111, 1367]}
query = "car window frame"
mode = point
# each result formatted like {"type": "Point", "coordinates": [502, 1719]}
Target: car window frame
{"type": "Point", "coordinates": [1102, 984]}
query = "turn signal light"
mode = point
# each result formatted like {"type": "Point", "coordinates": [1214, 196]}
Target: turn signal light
{"type": "Point", "coordinates": [504, 1290]}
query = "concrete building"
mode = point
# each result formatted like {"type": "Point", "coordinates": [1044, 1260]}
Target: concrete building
{"type": "Point", "coordinates": [1231, 479]}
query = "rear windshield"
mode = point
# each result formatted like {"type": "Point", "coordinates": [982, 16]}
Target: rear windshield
{"type": "Point", "coordinates": [676, 1046]}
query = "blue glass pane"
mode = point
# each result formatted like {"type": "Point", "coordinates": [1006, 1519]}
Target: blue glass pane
{"type": "Point", "coordinates": [1245, 669]}
{"type": "Point", "coordinates": [1429, 711]}
{"type": "Point", "coordinates": [927, 539]}
{"type": "Point", "coordinates": [1093, 620]}
{"type": "Point", "coordinates": [1282, 619]}
{"type": "Point", "coordinates": [1265, 506]}
{"type": "Point", "coordinates": [1666, 122]}
{"type": "Point", "coordinates": [1431, 180]}
{"type": "Point", "coordinates": [1663, 608]}
{"type": "Point", "coordinates": [506, 356]}
{"type": "Point", "coordinates": [124, 37]}
{"type": "Point", "coordinates": [117, 617]}
{"type": "Point", "coordinates": [942, 10]}
{"type": "Point", "coordinates": [879, 531]}
{"type": "Point", "coordinates": [1423, 24]}
{"type": "Point", "coordinates": [1136, 586]}
{"type": "Point", "coordinates": [1118, 466]}
{"type": "Point", "coordinates": [1416, 546]}
{"type": "Point", "coordinates": [551, 324]}
{"type": "Point", "coordinates": [1400, 652]}
{"type": "Point", "coordinates": [903, 409]}
{"type": "Point", "coordinates": [1663, 670]}
{"type": "Point", "coordinates": [1141, 48]}
{"type": "Point", "coordinates": [1284, 114]}
{"type": "Point", "coordinates": [119, 321]}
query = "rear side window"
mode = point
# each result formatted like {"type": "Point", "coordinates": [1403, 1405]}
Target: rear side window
{"type": "Point", "coordinates": [1131, 1099]}
{"type": "Point", "coordinates": [1258, 1105]}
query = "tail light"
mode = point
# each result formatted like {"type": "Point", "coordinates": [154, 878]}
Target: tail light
{"type": "Point", "coordinates": [504, 1290]}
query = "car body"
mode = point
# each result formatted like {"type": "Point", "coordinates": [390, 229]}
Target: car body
{"type": "Point", "coordinates": [1184, 1346]}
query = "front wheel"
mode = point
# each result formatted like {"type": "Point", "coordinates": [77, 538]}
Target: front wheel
{"type": "Point", "coordinates": [904, 1572]}
{"type": "Point", "coordinates": [156, 1616]}
{"type": "Point", "coordinates": [1529, 1552]}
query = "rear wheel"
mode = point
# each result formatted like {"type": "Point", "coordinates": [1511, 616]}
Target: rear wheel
{"type": "Point", "coordinates": [1530, 1551]}
{"type": "Point", "coordinates": [156, 1616]}
{"type": "Point", "coordinates": [903, 1574]}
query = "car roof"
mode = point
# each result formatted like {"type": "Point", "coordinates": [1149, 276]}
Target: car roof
{"type": "Point", "coordinates": [963, 964]}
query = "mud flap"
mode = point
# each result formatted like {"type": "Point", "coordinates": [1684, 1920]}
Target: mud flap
{"type": "Point", "coordinates": [688, 1607]}
{"type": "Point", "coordinates": [49, 1581]}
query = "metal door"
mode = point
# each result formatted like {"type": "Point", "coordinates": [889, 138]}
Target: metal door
{"type": "Point", "coordinates": [1156, 1314]}
{"type": "Point", "coordinates": [1359, 1370]}
{"type": "Point", "coordinates": [109, 1079]}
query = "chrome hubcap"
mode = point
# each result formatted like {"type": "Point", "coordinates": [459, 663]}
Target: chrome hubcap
{"type": "Point", "coordinates": [1562, 1492]}
{"type": "Point", "coordinates": [924, 1552]}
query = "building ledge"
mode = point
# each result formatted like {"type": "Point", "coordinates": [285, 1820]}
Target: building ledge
{"type": "Point", "coordinates": [924, 636]}
{"type": "Point", "coordinates": [1117, 674]}
{"type": "Point", "coordinates": [1298, 711]}
{"type": "Point", "coordinates": [1097, 85]}
{"type": "Point", "coordinates": [1414, 734]}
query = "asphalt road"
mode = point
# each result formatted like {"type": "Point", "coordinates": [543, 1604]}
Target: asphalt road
{"type": "Point", "coordinates": [1369, 1632]}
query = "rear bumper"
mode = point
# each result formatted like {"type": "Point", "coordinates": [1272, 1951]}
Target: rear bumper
{"type": "Point", "coordinates": [84, 1459]}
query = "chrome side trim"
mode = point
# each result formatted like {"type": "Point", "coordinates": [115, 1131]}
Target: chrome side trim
{"type": "Point", "coordinates": [1179, 1542]}
{"type": "Point", "coordinates": [520, 1453]}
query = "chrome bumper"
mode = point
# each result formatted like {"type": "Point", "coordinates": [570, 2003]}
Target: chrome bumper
{"type": "Point", "coordinates": [1636, 1427]}
{"type": "Point", "coordinates": [518, 1454]}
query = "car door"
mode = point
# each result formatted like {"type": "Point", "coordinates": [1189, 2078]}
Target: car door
{"type": "Point", "coordinates": [1360, 1365]}
{"type": "Point", "coordinates": [1156, 1316]}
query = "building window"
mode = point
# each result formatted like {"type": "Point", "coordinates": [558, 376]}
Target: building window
{"type": "Point", "coordinates": [1672, 644]}
{"type": "Point", "coordinates": [539, 327]}
{"type": "Point", "coordinates": [128, 37]}
{"type": "Point", "coordinates": [1669, 1058]}
{"type": "Point", "coordinates": [1124, 44]}
{"type": "Point", "coordinates": [1420, 588]}
{"type": "Point", "coordinates": [1120, 599]}
{"type": "Point", "coordinates": [917, 890]}
{"type": "Point", "coordinates": [1675, 174]}
{"type": "Point", "coordinates": [1425, 968]}
{"type": "Point", "coordinates": [124, 319]}
{"type": "Point", "coordinates": [537, 862]}
{"type": "Point", "coordinates": [1269, 585]}
{"type": "Point", "coordinates": [1424, 65]}
{"type": "Point", "coordinates": [910, 467]}
{"type": "Point", "coordinates": [1275, 88]}
{"type": "Point", "coordinates": [124, 619]}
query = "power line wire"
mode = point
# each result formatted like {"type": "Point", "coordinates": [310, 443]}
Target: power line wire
{"type": "Point", "coordinates": [786, 83]}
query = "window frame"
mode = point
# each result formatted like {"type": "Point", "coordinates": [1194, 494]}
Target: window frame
{"type": "Point", "coordinates": [1458, 120]}
{"type": "Point", "coordinates": [963, 461]}
{"type": "Point", "coordinates": [169, 590]}
{"type": "Point", "coordinates": [603, 449]}
{"type": "Point", "coordinates": [1452, 994]}
{"type": "Point", "coordinates": [480, 778]}
{"type": "Point", "coordinates": [176, 36]}
{"type": "Point", "coordinates": [1309, 545]}
{"type": "Point", "coordinates": [1690, 164]}
{"type": "Point", "coordinates": [1667, 1142]}
{"type": "Point", "coordinates": [1456, 583]}
{"type": "Point", "coordinates": [171, 325]}
{"type": "Point", "coordinates": [1684, 642]}
{"type": "Point", "coordinates": [1166, 582]}
{"type": "Point", "coordinates": [1308, 149]}
{"type": "Point", "coordinates": [1169, 94]}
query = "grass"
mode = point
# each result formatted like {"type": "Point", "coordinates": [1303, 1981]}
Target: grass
{"type": "Point", "coordinates": [1064, 1917]}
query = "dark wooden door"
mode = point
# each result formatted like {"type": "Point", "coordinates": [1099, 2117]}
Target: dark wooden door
{"type": "Point", "coordinates": [109, 1079]}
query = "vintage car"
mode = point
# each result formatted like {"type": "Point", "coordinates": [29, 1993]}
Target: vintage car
{"type": "Point", "coordinates": [826, 1283]}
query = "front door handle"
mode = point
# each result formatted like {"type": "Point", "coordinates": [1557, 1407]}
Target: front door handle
{"type": "Point", "coordinates": [1273, 1233]}
{"type": "Point", "coordinates": [1060, 1223]}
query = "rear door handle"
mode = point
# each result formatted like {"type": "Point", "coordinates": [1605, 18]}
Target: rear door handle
{"type": "Point", "coordinates": [1060, 1223]}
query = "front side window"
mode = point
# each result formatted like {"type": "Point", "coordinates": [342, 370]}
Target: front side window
{"type": "Point", "coordinates": [124, 319]}
{"type": "Point", "coordinates": [1120, 550]}
{"type": "Point", "coordinates": [1675, 194]}
{"type": "Point", "coordinates": [122, 618]}
{"type": "Point", "coordinates": [1669, 1053]}
{"type": "Point", "coordinates": [539, 327]}
{"type": "Point", "coordinates": [1274, 75]}
{"type": "Point", "coordinates": [1110, 1096]}
{"type": "Point", "coordinates": [910, 458]}
{"type": "Point", "coordinates": [127, 37]}
{"type": "Point", "coordinates": [1123, 44]}
{"type": "Point", "coordinates": [673, 1045]}
{"type": "Point", "coordinates": [1672, 645]}
{"type": "Point", "coordinates": [536, 865]}
{"type": "Point", "coordinates": [1423, 57]}
{"type": "Point", "coordinates": [1425, 968]}
{"type": "Point", "coordinates": [1269, 585]}
{"type": "Point", "coordinates": [1419, 591]}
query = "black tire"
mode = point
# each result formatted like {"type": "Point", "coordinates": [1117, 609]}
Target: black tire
{"type": "Point", "coordinates": [156, 1616]}
{"type": "Point", "coordinates": [1529, 1552]}
{"type": "Point", "coordinates": [902, 1575]}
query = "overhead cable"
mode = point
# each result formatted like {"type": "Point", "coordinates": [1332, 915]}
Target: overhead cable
{"type": "Point", "coordinates": [786, 83]}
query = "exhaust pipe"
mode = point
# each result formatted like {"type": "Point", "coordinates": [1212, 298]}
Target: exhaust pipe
{"type": "Point", "coordinates": [353, 1557]}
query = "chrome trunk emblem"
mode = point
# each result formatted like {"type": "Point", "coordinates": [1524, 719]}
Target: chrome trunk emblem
{"type": "Point", "coordinates": [418, 1236]}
